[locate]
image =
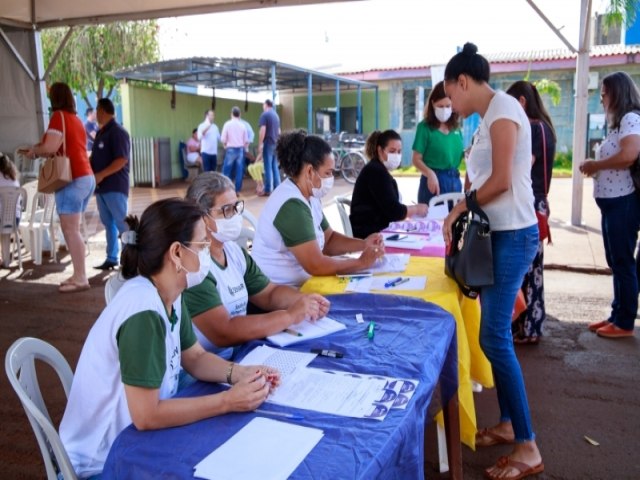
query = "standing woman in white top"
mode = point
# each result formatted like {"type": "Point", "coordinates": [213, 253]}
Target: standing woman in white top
{"type": "Point", "coordinates": [618, 201]}
{"type": "Point", "coordinates": [499, 175]}
{"type": "Point", "coordinates": [129, 365]}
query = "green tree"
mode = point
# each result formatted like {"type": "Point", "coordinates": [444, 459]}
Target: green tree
{"type": "Point", "coordinates": [93, 52]}
{"type": "Point", "coordinates": [622, 12]}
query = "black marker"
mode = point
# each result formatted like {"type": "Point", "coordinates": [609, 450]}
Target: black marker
{"type": "Point", "coordinates": [327, 353]}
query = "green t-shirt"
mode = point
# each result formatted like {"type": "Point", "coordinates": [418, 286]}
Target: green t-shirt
{"type": "Point", "coordinates": [440, 151]}
{"type": "Point", "coordinates": [206, 296]}
{"type": "Point", "coordinates": [141, 346]}
{"type": "Point", "coordinates": [295, 223]}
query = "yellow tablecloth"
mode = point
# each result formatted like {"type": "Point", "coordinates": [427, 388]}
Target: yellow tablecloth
{"type": "Point", "coordinates": [441, 290]}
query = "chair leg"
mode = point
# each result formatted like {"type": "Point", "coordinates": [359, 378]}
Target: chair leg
{"type": "Point", "coordinates": [36, 246]}
{"type": "Point", "coordinates": [5, 240]}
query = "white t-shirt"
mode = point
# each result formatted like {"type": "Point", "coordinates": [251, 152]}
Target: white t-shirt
{"type": "Point", "coordinates": [97, 409]}
{"type": "Point", "coordinates": [616, 183]}
{"type": "Point", "coordinates": [7, 182]}
{"type": "Point", "coordinates": [269, 250]}
{"type": "Point", "coordinates": [513, 209]}
{"type": "Point", "coordinates": [209, 140]}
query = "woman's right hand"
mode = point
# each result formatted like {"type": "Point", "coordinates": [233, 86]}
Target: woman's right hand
{"type": "Point", "coordinates": [433, 184]}
{"type": "Point", "coordinates": [370, 254]}
{"type": "Point", "coordinates": [249, 392]}
{"type": "Point", "coordinates": [306, 307]}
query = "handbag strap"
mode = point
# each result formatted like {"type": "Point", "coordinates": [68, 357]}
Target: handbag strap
{"type": "Point", "coordinates": [473, 207]}
{"type": "Point", "coordinates": [64, 136]}
{"type": "Point", "coordinates": [544, 158]}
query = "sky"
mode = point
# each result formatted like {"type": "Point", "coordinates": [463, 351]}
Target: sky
{"type": "Point", "coordinates": [364, 35]}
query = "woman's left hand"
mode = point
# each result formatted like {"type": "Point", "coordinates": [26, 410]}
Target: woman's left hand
{"type": "Point", "coordinates": [272, 375]}
{"type": "Point", "coordinates": [589, 168]}
{"type": "Point", "coordinates": [374, 240]}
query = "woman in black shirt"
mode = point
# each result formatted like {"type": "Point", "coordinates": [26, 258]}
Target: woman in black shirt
{"type": "Point", "coordinates": [376, 201]}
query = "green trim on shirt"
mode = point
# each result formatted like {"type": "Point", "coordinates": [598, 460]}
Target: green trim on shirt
{"type": "Point", "coordinates": [202, 297]}
{"type": "Point", "coordinates": [254, 279]}
{"type": "Point", "coordinates": [187, 336]}
{"type": "Point", "coordinates": [294, 223]}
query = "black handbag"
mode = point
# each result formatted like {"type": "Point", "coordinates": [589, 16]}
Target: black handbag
{"type": "Point", "coordinates": [469, 258]}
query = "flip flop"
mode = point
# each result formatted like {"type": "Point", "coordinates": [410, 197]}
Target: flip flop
{"type": "Point", "coordinates": [73, 287]}
{"type": "Point", "coordinates": [489, 439]}
{"type": "Point", "coordinates": [523, 470]}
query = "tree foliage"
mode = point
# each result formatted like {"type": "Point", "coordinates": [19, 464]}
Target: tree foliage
{"type": "Point", "coordinates": [94, 52]}
{"type": "Point", "coordinates": [621, 12]}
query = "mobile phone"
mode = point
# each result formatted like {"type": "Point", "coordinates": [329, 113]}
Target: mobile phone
{"type": "Point", "coordinates": [396, 236]}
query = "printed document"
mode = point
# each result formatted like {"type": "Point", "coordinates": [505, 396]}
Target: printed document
{"type": "Point", "coordinates": [306, 330]}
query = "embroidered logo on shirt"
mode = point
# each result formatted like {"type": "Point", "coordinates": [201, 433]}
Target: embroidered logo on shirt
{"type": "Point", "coordinates": [234, 290]}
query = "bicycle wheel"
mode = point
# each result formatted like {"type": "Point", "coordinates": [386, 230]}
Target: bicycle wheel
{"type": "Point", "coordinates": [351, 166]}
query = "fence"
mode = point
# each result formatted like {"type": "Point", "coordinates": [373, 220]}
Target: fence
{"type": "Point", "coordinates": [142, 162]}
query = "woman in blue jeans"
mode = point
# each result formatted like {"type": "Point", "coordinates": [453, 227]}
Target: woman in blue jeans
{"type": "Point", "coordinates": [618, 201]}
{"type": "Point", "coordinates": [499, 179]}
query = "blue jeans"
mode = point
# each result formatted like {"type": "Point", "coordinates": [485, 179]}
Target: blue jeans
{"type": "Point", "coordinates": [449, 181]}
{"type": "Point", "coordinates": [271, 172]}
{"type": "Point", "coordinates": [234, 159]}
{"type": "Point", "coordinates": [620, 223]}
{"type": "Point", "coordinates": [513, 252]}
{"type": "Point", "coordinates": [74, 197]}
{"type": "Point", "coordinates": [209, 162]}
{"type": "Point", "coordinates": [112, 207]}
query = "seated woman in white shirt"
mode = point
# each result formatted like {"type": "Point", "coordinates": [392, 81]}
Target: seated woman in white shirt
{"type": "Point", "coordinates": [218, 306]}
{"type": "Point", "coordinates": [129, 365]}
{"type": "Point", "coordinates": [294, 240]}
{"type": "Point", "coordinates": [9, 178]}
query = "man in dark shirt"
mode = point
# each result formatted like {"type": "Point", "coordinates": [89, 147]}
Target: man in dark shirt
{"type": "Point", "coordinates": [91, 128]}
{"type": "Point", "coordinates": [110, 164]}
{"type": "Point", "coordinates": [269, 123]}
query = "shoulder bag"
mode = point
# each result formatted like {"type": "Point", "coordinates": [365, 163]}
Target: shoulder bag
{"type": "Point", "coordinates": [56, 171]}
{"type": "Point", "coordinates": [543, 219]}
{"type": "Point", "coordinates": [469, 258]}
{"type": "Point", "coordinates": [634, 169]}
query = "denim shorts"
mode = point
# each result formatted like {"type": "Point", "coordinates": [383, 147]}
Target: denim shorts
{"type": "Point", "coordinates": [74, 198]}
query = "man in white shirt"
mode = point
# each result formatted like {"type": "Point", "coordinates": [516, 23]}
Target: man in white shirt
{"type": "Point", "coordinates": [235, 139]}
{"type": "Point", "coordinates": [209, 136]}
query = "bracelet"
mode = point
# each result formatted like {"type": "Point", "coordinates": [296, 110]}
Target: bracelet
{"type": "Point", "coordinates": [230, 372]}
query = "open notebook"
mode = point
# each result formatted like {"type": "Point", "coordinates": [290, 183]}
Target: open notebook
{"type": "Point", "coordinates": [306, 330]}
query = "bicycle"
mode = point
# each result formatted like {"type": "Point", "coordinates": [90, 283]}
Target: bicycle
{"type": "Point", "coordinates": [349, 156]}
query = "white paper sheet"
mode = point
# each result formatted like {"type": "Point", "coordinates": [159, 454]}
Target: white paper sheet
{"type": "Point", "coordinates": [285, 361]}
{"type": "Point", "coordinates": [307, 330]}
{"type": "Point", "coordinates": [264, 448]}
{"type": "Point", "coordinates": [391, 263]}
{"type": "Point", "coordinates": [410, 242]}
{"type": "Point", "coordinates": [369, 284]}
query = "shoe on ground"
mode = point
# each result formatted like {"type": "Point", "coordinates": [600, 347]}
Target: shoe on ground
{"type": "Point", "coordinates": [594, 326]}
{"type": "Point", "coordinates": [611, 331]}
{"type": "Point", "coordinates": [107, 265]}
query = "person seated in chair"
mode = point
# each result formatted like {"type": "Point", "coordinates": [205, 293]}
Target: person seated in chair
{"type": "Point", "coordinates": [193, 150]}
{"type": "Point", "coordinates": [218, 305]}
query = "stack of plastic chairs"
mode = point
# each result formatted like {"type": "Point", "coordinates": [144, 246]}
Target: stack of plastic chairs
{"type": "Point", "coordinates": [11, 198]}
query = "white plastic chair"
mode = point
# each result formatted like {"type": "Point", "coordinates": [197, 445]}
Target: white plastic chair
{"type": "Point", "coordinates": [29, 168]}
{"type": "Point", "coordinates": [343, 203]}
{"type": "Point", "coordinates": [248, 232]}
{"type": "Point", "coordinates": [450, 199]}
{"type": "Point", "coordinates": [11, 200]}
{"type": "Point", "coordinates": [20, 367]}
{"type": "Point", "coordinates": [40, 223]}
{"type": "Point", "coordinates": [112, 286]}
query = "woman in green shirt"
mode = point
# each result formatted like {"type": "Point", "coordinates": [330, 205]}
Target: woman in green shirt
{"type": "Point", "coordinates": [437, 148]}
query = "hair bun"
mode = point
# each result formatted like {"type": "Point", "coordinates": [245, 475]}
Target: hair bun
{"type": "Point", "coordinates": [469, 49]}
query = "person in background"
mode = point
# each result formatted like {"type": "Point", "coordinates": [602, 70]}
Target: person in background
{"type": "Point", "coordinates": [72, 199]}
{"type": "Point", "coordinates": [269, 123]}
{"type": "Point", "coordinates": [618, 200]}
{"type": "Point", "coordinates": [248, 151]}
{"type": "Point", "coordinates": [437, 147]}
{"type": "Point", "coordinates": [129, 365]}
{"type": "Point", "coordinates": [9, 178]}
{"type": "Point", "coordinates": [193, 149]}
{"type": "Point", "coordinates": [293, 240]}
{"type": "Point", "coordinates": [235, 139]}
{"type": "Point", "coordinates": [110, 164]}
{"type": "Point", "coordinates": [256, 170]}
{"type": "Point", "coordinates": [218, 306]}
{"type": "Point", "coordinates": [499, 174]}
{"type": "Point", "coordinates": [376, 200]}
{"type": "Point", "coordinates": [209, 137]}
{"type": "Point", "coordinates": [91, 128]}
{"type": "Point", "coordinates": [528, 325]}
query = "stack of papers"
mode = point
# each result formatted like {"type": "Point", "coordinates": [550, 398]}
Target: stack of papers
{"type": "Point", "coordinates": [306, 330]}
{"type": "Point", "coordinates": [410, 242]}
{"type": "Point", "coordinates": [264, 448]}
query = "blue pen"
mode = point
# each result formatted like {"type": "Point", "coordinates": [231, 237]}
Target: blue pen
{"type": "Point", "coordinates": [292, 416]}
{"type": "Point", "coordinates": [391, 283]}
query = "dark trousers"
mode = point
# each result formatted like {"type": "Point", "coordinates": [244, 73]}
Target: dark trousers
{"type": "Point", "coordinates": [209, 162]}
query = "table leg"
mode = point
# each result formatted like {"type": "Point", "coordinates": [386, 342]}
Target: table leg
{"type": "Point", "coordinates": [452, 429]}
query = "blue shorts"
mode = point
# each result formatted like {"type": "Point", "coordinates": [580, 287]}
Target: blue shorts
{"type": "Point", "coordinates": [74, 198]}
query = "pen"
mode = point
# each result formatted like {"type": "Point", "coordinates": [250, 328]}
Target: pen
{"type": "Point", "coordinates": [390, 283]}
{"type": "Point", "coordinates": [404, 280]}
{"type": "Point", "coordinates": [279, 414]}
{"type": "Point", "coordinates": [327, 353]}
{"type": "Point", "coordinates": [370, 330]}
{"type": "Point", "coordinates": [355, 275]}
{"type": "Point", "coordinates": [291, 331]}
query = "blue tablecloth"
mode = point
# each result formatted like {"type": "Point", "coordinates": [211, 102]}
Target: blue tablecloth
{"type": "Point", "coordinates": [413, 339]}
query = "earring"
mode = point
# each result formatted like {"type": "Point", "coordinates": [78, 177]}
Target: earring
{"type": "Point", "coordinates": [177, 268]}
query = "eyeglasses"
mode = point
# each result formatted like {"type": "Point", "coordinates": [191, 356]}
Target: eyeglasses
{"type": "Point", "coordinates": [201, 245]}
{"type": "Point", "coordinates": [231, 209]}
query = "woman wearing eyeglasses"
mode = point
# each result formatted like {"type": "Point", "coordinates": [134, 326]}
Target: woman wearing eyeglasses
{"type": "Point", "coordinates": [129, 366]}
{"type": "Point", "coordinates": [218, 306]}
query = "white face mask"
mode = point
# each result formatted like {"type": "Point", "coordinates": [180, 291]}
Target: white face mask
{"type": "Point", "coordinates": [443, 114]}
{"type": "Point", "coordinates": [325, 187]}
{"type": "Point", "coordinates": [393, 161]}
{"type": "Point", "coordinates": [196, 278]}
{"type": "Point", "coordinates": [229, 229]}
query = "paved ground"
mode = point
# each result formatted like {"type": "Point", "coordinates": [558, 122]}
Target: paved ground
{"type": "Point", "coordinates": [578, 384]}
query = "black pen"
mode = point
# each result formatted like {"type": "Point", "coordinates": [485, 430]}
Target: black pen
{"type": "Point", "coordinates": [327, 353]}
